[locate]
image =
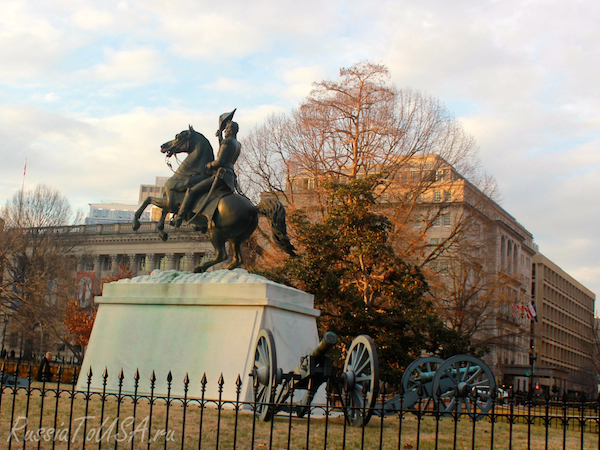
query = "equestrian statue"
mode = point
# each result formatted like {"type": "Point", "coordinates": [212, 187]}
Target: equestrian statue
{"type": "Point", "coordinates": [202, 192]}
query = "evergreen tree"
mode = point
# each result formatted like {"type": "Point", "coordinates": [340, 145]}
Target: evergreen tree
{"type": "Point", "coordinates": [361, 286]}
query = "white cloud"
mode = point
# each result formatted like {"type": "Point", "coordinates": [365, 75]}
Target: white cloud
{"type": "Point", "coordinates": [139, 64]}
{"type": "Point", "coordinates": [90, 159]}
{"type": "Point", "coordinates": [28, 42]}
{"type": "Point", "coordinates": [203, 33]}
{"type": "Point", "coordinates": [50, 97]}
{"type": "Point", "coordinates": [92, 19]}
{"type": "Point", "coordinates": [299, 81]}
{"type": "Point", "coordinates": [250, 118]}
{"type": "Point", "coordinates": [229, 85]}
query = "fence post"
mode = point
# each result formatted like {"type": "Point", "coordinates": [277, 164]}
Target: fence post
{"type": "Point", "coordinates": [119, 400]}
{"type": "Point", "coordinates": [238, 391]}
{"type": "Point", "coordinates": [169, 380]}
{"type": "Point", "coordinates": [152, 386]}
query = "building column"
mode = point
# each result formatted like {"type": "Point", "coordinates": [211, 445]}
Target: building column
{"type": "Point", "coordinates": [113, 263]}
{"type": "Point", "coordinates": [133, 266]}
{"type": "Point", "coordinates": [150, 262]}
{"type": "Point", "coordinates": [190, 261]}
{"type": "Point", "coordinates": [80, 263]}
{"type": "Point", "coordinates": [170, 261]}
{"type": "Point", "coordinates": [98, 266]}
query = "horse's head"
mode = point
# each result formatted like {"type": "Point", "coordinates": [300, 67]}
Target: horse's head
{"type": "Point", "coordinates": [181, 143]}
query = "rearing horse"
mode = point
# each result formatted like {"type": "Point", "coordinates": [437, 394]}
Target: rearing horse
{"type": "Point", "coordinates": [234, 219]}
{"type": "Point", "coordinates": [191, 171]}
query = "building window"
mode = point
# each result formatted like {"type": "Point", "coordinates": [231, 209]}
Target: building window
{"type": "Point", "coordinates": [435, 241]}
{"type": "Point", "coordinates": [437, 222]}
{"type": "Point", "coordinates": [446, 220]}
{"type": "Point", "coordinates": [444, 267]}
{"type": "Point", "coordinates": [417, 224]}
{"type": "Point", "coordinates": [447, 196]}
{"type": "Point", "coordinates": [440, 175]}
{"type": "Point", "coordinates": [430, 175]}
{"type": "Point", "coordinates": [437, 196]}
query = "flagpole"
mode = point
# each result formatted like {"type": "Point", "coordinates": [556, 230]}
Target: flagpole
{"type": "Point", "coordinates": [22, 190]}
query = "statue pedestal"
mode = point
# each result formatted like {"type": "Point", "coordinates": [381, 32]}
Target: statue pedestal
{"type": "Point", "coordinates": [196, 324]}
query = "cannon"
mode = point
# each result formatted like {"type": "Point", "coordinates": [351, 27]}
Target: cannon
{"type": "Point", "coordinates": [358, 386]}
{"type": "Point", "coordinates": [461, 384]}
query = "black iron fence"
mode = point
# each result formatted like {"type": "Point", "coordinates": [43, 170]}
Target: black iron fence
{"type": "Point", "coordinates": [55, 415]}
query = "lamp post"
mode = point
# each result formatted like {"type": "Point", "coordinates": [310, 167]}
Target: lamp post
{"type": "Point", "coordinates": [532, 355]}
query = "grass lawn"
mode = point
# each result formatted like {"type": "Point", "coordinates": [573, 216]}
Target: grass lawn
{"type": "Point", "coordinates": [167, 426]}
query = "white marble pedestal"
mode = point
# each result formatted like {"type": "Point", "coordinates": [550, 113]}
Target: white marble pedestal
{"type": "Point", "coordinates": [195, 324]}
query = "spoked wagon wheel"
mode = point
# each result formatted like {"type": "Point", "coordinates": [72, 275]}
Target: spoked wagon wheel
{"type": "Point", "coordinates": [361, 380]}
{"type": "Point", "coordinates": [419, 374]}
{"type": "Point", "coordinates": [265, 366]}
{"type": "Point", "coordinates": [464, 384]}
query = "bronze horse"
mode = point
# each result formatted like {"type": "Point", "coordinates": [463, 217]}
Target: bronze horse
{"type": "Point", "coordinates": [235, 217]}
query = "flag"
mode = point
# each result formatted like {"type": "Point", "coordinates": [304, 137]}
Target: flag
{"type": "Point", "coordinates": [531, 311]}
{"type": "Point", "coordinates": [516, 308]}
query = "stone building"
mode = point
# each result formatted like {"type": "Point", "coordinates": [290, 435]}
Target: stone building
{"type": "Point", "coordinates": [102, 248]}
{"type": "Point", "coordinates": [98, 250]}
{"type": "Point", "coordinates": [492, 241]}
{"type": "Point", "coordinates": [106, 212]}
{"type": "Point", "coordinates": [563, 334]}
{"type": "Point", "coordinates": [153, 190]}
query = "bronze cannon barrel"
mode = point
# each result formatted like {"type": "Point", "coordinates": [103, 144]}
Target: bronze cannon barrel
{"type": "Point", "coordinates": [327, 343]}
{"type": "Point", "coordinates": [426, 377]}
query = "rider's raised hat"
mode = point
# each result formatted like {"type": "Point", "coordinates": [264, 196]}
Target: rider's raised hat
{"type": "Point", "coordinates": [224, 118]}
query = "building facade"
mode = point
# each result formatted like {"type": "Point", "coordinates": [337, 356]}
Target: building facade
{"type": "Point", "coordinates": [563, 335]}
{"type": "Point", "coordinates": [478, 257]}
{"type": "Point", "coordinates": [106, 213]}
{"type": "Point", "coordinates": [99, 251]}
{"type": "Point", "coordinates": [153, 190]}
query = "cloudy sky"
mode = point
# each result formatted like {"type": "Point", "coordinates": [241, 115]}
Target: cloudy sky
{"type": "Point", "coordinates": [90, 89]}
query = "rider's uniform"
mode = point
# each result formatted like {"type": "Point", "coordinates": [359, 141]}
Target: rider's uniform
{"type": "Point", "coordinates": [229, 152]}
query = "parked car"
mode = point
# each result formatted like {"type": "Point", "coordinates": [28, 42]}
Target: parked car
{"type": "Point", "coordinates": [502, 396]}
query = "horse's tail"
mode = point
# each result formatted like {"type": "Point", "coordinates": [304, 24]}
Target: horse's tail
{"type": "Point", "coordinates": [273, 210]}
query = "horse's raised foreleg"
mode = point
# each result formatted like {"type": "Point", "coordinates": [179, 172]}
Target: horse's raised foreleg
{"type": "Point", "coordinates": [156, 201]}
{"type": "Point", "coordinates": [139, 212]}
{"type": "Point", "coordinates": [219, 244]}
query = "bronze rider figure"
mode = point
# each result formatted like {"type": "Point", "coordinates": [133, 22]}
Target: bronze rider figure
{"type": "Point", "coordinates": [222, 168]}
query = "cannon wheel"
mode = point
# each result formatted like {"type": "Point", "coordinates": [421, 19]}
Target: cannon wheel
{"type": "Point", "coordinates": [361, 380]}
{"type": "Point", "coordinates": [265, 366]}
{"type": "Point", "coordinates": [411, 380]}
{"type": "Point", "coordinates": [465, 385]}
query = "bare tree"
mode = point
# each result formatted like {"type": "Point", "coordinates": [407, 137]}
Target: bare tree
{"type": "Point", "coordinates": [358, 125]}
{"type": "Point", "coordinates": [470, 295]}
{"type": "Point", "coordinates": [39, 275]}
{"type": "Point", "coordinates": [593, 348]}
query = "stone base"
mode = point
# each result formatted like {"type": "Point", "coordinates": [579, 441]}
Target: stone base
{"type": "Point", "coordinates": [194, 324]}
